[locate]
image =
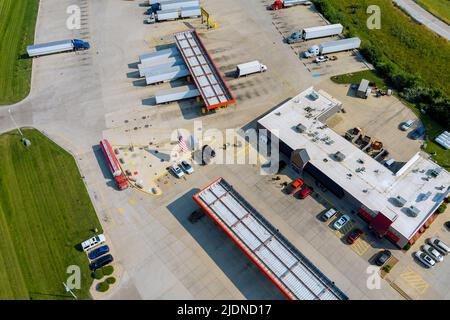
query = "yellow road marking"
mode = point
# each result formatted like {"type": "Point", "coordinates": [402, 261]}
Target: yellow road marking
{"type": "Point", "coordinates": [414, 280]}
{"type": "Point", "coordinates": [361, 246]}
{"type": "Point", "coordinates": [345, 229]}
{"type": "Point", "coordinates": [120, 210]}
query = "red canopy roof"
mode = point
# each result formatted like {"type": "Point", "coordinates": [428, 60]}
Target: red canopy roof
{"type": "Point", "coordinates": [380, 224]}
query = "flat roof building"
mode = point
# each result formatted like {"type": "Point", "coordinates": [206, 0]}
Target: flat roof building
{"type": "Point", "coordinates": [396, 204]}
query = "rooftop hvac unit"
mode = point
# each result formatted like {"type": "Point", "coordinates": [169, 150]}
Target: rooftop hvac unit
{"type": "Point", "coordinates": [339, 156]}
{"type": "Point", "coordinates": [314, 96]}
{"type": "Point", "coordinates": [300, 128]}
{"type": "Point", "coordinates": [400, 201]}
{"type": "Point", "coordinates": [436, 171]}
{"type": "Point", "coordinates": [413, 211]}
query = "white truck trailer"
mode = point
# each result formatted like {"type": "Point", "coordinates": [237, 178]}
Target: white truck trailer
{"type": "Point", "coordinates": [315, 32]}
{"type": "Point", "coordinates": [56, 47]}
{"type": "Point", "coordinates": [149, 58]}
{"type": "Point", "coordinates": [191, 12]}
{"type": "Point", "coordinates": [175, 94]}
{"type": "Point", "coordinates": [174, 14]}
{"type": "Point", "coordinates": [165, 75]}
{"type": "Point", "coordinates": [244, 69]}
{"type": "Point", "coordinates": [178, 4]}
{"type": "Point", "coordinates": [322, 31]}
{"type": "Point", "coordinates": [333, 46]}
{"type": "Point", "coordinates": [144, 71]}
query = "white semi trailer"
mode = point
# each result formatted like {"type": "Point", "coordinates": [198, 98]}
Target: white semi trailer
{"type": "Point", "coordinates": [149, 58]}
{"type": "Point", "coordinates": [315, 32]}
{"type": "Point", "coordinates": [178, 4]}
{"type": "Point", "coordinates": [244, 69]}
{"type": "Point", "coordinates": [333, 46]}
{"type": "Point", "coordinates": [165, 75]}
{"type": "Point", "coordinates": [174, 14]}
{"type": "Point", "coordinates": [175, 94]}
{"type": "Point", "coordinates": [144, 71]}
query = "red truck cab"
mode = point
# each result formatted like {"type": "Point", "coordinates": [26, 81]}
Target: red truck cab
{"type": "Point", "coordinates": [277, 5]}
{"type": "Point", "coordinates": [294, 186]}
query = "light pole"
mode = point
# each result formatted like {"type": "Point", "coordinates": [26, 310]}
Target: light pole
{"type": "Point", "coordinates": [25, 141]}
{"type": "Point", "coordinates": [70, 290]}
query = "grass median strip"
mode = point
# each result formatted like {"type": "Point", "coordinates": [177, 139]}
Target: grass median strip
{"type": "Point", "coordinates": [45, 211]}
{"type": "Point", "coordinates": [438, 8]}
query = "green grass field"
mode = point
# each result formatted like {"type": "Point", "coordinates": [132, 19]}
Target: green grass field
{"type": "Point", "coordinates": [45, 211]}
{"type": "Point", "coordinates": [439, 8]}
{"type": "Point", "coordinates": [17, 24]}
{"type": "Point", "coordinates": [413, 47]}
{"type": "Point", "coordinates": [433, 128]}
{"type": "Point", "coordinates": [356, 77]}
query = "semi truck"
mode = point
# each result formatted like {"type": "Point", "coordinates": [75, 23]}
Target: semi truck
{"type": "Point", "coordinates": [173, 14]}
{"type": "Point", "coordinates": [42, 49]}
{"type": "Point", "coordinates": [244, 69]}
{"type": "Point", "coordinates": [333, 46]}
{"type": "Point", "coordinates": [281, 4]}
{"type": "Point", "coordinates": [113, 165]}
{"type": "Point", "coordinates": [315, 32]}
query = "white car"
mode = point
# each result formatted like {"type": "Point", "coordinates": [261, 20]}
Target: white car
{"type": "Point", "coordinates": [176, 171]}
{"type": "Point", "coordinates": [439, 245]}
{"type": "Point", "coordinates": [342, 221]}
{"type": "Point", "coordinates": [432, 252]}
{"type": "Point", "coordinates": [186, 167]}
{"type": "Point", "coordinates": [425, 259]}
{"type": "Point", "coordinates": [92, 242]}
{"type": "Point", "coordinates": [406, 125]}
{"type": "Point", "coordinates": [320, 59]}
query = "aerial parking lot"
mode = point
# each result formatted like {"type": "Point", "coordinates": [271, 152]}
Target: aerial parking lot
{"type": "Point", "coordinates": [166, 245]}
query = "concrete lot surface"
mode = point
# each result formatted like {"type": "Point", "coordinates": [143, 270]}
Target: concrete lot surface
{"type": "Point", "coordinates": [79, 98]}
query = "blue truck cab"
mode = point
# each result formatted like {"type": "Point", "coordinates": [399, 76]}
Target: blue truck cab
{"type": "Point", "coordinates": [80, 44]}
{"type": "Point", "coordinates": [154, 7]}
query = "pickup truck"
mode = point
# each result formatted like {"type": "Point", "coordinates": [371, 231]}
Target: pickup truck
{"type": "Point", "coordinates": [296, 36]}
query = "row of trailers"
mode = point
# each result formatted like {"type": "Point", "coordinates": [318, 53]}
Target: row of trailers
{"type": "Point", "coordinates": [188, 59]}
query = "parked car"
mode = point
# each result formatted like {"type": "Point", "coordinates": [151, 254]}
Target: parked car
{"type": "Point", "coordinates": [432, 252]}
{"type": "Point", "coordinates": [94, 254]}
{"type": "Point", "coordinates": [92, 242]}
{"type": "Point", "coordinates": [294, 186]}
{"type": "Point", "coordinates": [329, 214]}
{"type": "Point", "coordinates": [305, 192]}
{"type": "Point", "coordinates": [101, 262]}
{"type": "Point", "coordinates": [354, 235]}
{"type": "Point", "coordinates": [383, 257]}
{"type": "Point", "coordinates": [320, 59]}
{"type": "Point", "coordinates": [416, 134]}
{"type": "Point", "coordinates": [176, 170]}
{"type": "Point", "coordinates": [425, 259]}
{"type": "Point", "coordinates": [439, 245]}
{"type": "Point", "coordinates": [186, 167]}
{"type": "Point", "coordinates": [406, 125]}
{"type": "Point", "coordinates": [342, 221]}
{"type": "Point", "coordinates": [447, 224]}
